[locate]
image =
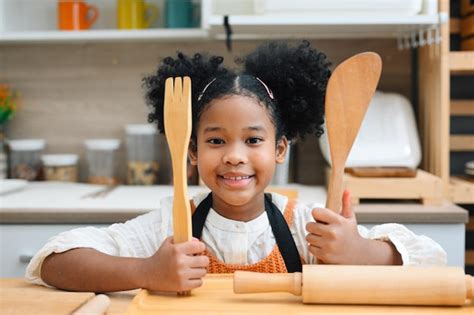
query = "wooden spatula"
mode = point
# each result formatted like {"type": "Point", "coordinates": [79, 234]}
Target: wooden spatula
{"type": "Point", "coordinates": [349, 91]}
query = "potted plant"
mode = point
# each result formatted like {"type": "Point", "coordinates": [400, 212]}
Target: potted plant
{"type": "Point", "coordinates": [8, 106]}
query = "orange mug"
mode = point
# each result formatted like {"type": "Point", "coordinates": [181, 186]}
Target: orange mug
{"type": "Point", "coordinates": [73, 15]}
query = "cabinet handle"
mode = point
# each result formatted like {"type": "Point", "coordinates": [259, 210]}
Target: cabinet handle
{"type": "Point", "coordinates": [25, 258]}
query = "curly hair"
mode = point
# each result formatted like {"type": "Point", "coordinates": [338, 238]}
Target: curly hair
{"type": "Point", "coordinates": [297, 76]}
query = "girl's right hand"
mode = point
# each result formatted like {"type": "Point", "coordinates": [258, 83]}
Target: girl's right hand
{"type": "Point", "coordinates": [175, 267]}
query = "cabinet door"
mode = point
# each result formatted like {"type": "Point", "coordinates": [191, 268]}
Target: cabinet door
{"type": "Point", "coordinates": [19, 242]}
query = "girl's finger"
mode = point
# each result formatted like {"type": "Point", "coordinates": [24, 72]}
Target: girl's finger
{"type": "Point", "coordinates": [199, 261]}
{"type": "Point", "coordinates": [315, 251]}
{"type": "Point", "coordinates": [325, 215]}
{"type": "Point", "coordinates": [193, 284]}
{"type": "Point", "coordinates": [197, 273]}
{"type": "Point", "coordinates": [315, 240]}
{"type": "Point", "coordinates": [320, 229]}
{"type": "Point", "coordinates": [191, 247]}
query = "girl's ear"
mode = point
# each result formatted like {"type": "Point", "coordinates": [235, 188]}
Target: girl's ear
{"type": "Point", "coordinates": [192, 153]}
{"type": "Point", "coordinates": [281, 148]}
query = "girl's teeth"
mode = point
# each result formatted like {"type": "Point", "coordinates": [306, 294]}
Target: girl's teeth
{"type": "Point", "coordinates": [237, 177]}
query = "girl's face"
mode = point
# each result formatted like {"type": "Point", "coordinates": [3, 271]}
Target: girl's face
{"type": "Point", "coordinates": [236, 155]}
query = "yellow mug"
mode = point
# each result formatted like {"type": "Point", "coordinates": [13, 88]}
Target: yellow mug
{"type": "Point", "coordinates": [133, 14]}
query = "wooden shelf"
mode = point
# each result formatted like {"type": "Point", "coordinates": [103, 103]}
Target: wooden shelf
{"type": "Point", "coordinates": [462, 107]}
{"type": "Point", "coordinates": [461, 190]}
{"type": "Point", "coordinates": [461, 142]}
{"type": "Point", "coordinates": [461, 61]}
{"type": "Point", "coordinates": [425, 187]}
{"type": "Point", "coordinates": [454, 25]}
{"type": "Point", "coordinates": [101, 35]}
{"type": "Point", "coordinates": [321, 26]}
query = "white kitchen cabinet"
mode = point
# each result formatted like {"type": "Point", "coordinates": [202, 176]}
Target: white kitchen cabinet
{"type": "Point", "coordinates": [19, 242]}
{"type": "Point", "coordinates": [32, 21]}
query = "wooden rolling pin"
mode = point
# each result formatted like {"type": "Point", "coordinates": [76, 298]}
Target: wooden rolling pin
{"type": "Point", "coordinates": [392, 285]}
{"type": "Point", "coordinates": [96, 306]}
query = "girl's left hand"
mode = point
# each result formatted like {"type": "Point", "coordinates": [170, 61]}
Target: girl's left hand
{"type": "Point", "coordinates": [334, 238]}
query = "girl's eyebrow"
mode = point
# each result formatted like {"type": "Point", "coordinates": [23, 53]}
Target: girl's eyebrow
{"type": "Point", "coordinates": [211, 129]}
{"type": "Point", "coordinates": [253, 128]}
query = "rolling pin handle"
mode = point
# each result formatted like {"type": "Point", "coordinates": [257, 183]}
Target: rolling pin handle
{"type": "Point", "coordinates": [254, 282]}
{"type": "Point", "coordinates": [469, 287]}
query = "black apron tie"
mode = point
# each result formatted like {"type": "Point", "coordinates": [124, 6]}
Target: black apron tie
{"type": "Point", "coordinates": [280, 229]}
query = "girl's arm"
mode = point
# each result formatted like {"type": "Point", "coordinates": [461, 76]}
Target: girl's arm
{"type": "Point", "coordinates": [337, 239]}
{"type": "Point", "coordinates": [171, 268]}
{"type": "Point", "coordinates": [86, 269]}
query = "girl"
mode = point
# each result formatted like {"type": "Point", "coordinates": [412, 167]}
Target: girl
{"type": "Point", "coordinates": [242, 122]}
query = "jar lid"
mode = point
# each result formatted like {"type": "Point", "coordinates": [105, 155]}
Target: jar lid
{"type": "Point", "coordinates": [102, 144]}
{"type": "Point", "coordinates": [27, 144]}
{"type": "Point", "coordinates": [59, 159]}
{"type": "Point", "coordinates": [137, 129]}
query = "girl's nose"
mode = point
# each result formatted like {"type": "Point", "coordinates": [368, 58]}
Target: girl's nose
{"type": "Point", "coordinates": [235, 155]}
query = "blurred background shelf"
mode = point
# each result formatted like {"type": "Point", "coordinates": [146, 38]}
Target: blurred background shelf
{"type": "Point", "coordinates": [461, 142]}
{"type": "Point", "coordinates": [461, 190]}
{"type": "Point", "coordinates": [102, 35]}
{"type": "Point", "coordinates": [321, 26]}
{"type": "Point", "coordinates": [462, 107]}
{"type": "Point", "coordinates": [461, 62]}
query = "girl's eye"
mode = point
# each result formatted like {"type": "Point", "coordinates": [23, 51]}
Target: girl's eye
{"type": "Point", "coordinates": [215, 141]}
{"type": "Point", "coordinates": [254, 140]}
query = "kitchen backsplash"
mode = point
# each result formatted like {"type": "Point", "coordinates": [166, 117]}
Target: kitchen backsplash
{"type": "Point", "coordinates": [73, 92]}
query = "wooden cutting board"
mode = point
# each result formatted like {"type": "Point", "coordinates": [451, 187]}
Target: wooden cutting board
{"type": "Point", "coordinates": [216, 296]}
{"type": "Point", "coordinates": [19, 297]}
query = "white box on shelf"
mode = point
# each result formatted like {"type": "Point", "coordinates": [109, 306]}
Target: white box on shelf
{"type": "Point", "coordinates": [388, 136]}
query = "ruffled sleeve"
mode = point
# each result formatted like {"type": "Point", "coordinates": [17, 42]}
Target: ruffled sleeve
{"type": "Point", "coordinates": [139, 237]}
{"type": "Point", "coordinates": [414, 249]}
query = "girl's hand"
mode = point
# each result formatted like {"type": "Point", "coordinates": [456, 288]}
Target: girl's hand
{"type": "Point", "coordinates": [175, 267]}
{"type": "Point", "coordinates": [334, 238]}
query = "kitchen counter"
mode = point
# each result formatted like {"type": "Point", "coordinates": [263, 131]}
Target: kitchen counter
{"type": "Point", "coordinates": [30, 216]}
{"type": "Point", "coordinates": [62, 203]}
{"type": "Point", "coordinates": [215, 296]}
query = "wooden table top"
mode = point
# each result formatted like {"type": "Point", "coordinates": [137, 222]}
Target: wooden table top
{"type": "Point", "coordinates": [215, 296]}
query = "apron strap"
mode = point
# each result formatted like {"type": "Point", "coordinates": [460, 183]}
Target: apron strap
{"type": "Point", "coordinates": [200, 215]}
{"type": "Point", "coordinates": [284, 239]}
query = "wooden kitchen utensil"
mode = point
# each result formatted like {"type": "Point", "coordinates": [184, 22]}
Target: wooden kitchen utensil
{"type": "Point", "coordinates": [388, 285]}
{"type": "Point", "coordinates": [96, 306]}
{"type": "Point", "coordinates": [177, 115]}
{"type": "Point", "coordinates": [177, 120]}
{"type": "Point", "coordinates": [349, 91]}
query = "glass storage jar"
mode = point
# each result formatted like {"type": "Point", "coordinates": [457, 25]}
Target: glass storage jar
{"type": "Point", "coordinates": [25, 158]}
{"type": "Point", "coordinates": [142, 164]}
{"type": "Point", "coordinates": [102, 161]}
{"type": "Point", "coordinates": [60, 167]}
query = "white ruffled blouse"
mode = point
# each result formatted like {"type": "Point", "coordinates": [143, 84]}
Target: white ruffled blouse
{"type": "Point", "coordinates": [233, 242]}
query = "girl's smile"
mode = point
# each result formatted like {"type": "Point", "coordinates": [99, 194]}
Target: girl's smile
{"type": "Point", "coordinates": [236, 154]}
{"type": "Point", "coordinates": [236, 180]}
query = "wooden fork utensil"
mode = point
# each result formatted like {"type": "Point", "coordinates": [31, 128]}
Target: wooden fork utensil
{"type": "Point", "coordinates": [177, 121]}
